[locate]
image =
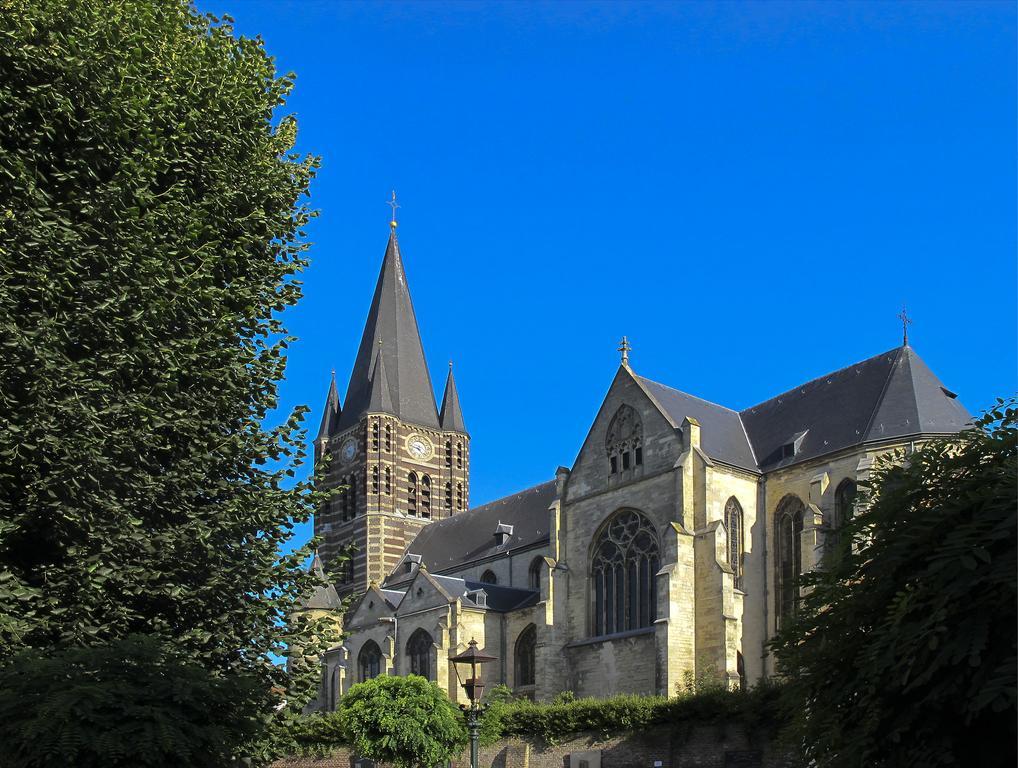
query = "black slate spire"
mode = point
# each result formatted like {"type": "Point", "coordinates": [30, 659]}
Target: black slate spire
{"type": "Point", "coordinates": [330, 418]}
{"type": "Point", "coordinates": [452, 415]}
{"type": "Point", "coordinates": [392, 322]}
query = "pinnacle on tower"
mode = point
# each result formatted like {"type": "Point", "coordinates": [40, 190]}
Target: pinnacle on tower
{"type": "Point", "coordinates": [451, 417]}
{"type": "Point", "coordinates": [381, 399]}
{"type": "Point", "coordinates": [391, 320]}
{"type": "Point", "coordinates": [330, 418]}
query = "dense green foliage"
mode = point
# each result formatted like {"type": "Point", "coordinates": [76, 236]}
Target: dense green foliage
{"type": "Point", "coordinates": [150, 230]}
{"type": "Point", "coordinates": [506, 716]}
{"type": "Point", "coordinates": [755, 708]}
{"type": "Point", "coordinates": [407, 722]}
{"type": "Point", "coordinates": [98, 708]}
{"type": "Point", "coordinates": [904, 652]}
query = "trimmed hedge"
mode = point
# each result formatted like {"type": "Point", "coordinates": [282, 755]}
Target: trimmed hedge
{"type": "Point", "coordinates": [758, 708]}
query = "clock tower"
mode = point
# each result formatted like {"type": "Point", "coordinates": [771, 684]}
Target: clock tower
{"type": "Point", "coordinates": [396, 461]}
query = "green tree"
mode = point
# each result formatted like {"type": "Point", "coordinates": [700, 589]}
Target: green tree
{"type": "Point", "coordinates": [98, 707]}
{"type": "Point", "coordinates": [405, 721]}
{"type": "Point", "coordinates": [151, 217]}
{"type": "Point", "coordinates": [904, 652]}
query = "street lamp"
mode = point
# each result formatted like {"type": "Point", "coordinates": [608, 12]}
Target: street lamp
{"type": "Point", "coordinates": [474, 687]}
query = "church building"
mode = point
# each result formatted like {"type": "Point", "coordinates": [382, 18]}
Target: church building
{"type": "Point", "coordinates": [668, 549]}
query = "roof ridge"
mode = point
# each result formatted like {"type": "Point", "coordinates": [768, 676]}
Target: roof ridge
{"type": "Point", "coordinates": [883, 393]}
{"type": "Point", "coordinates": [818, 378]}
{"type": "Point", "coordinates": [687, 394]}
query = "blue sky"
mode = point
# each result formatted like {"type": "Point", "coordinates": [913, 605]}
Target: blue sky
{"type": "Point", "coordinates": [749, 191]}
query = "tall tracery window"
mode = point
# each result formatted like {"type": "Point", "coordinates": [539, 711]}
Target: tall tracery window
{"type": "Point", "coordinates": [411, 491]}
{"type": "Point", "coordinates": [733, 524]}
{"type": "Point", "coordinates": [526, 657]}
{"type": "Point", "coordinates": [624, 564]}
{"type": "Point", "coordinates": [788, 564]}
{"type": "Point", "coordinates": [369, 661]}
{"type": "Point", "coordinates": [418, 649]}
{"type": "Point", "coordinates": [624, 440]}
{"type": "Point", "coordinates": [426, 496]}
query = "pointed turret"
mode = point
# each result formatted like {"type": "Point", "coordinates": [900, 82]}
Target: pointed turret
{"type": "Point", "coordinates": [391, 320]}
{"type": "Point", "coordinates": [330, 418]}
{"type": "Point", "coordinates": [380, 400]}
{"type": "Point", "coordinates": [451, 417]}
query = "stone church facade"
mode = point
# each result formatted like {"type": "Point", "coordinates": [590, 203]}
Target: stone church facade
{"type": "Point", "coordinates": [668, 549]}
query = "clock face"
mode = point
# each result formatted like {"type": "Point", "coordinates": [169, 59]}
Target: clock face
{"type": "Point", "coordinates": [419, 447]}
{"type": "Point", "coordinates": [348, 449]}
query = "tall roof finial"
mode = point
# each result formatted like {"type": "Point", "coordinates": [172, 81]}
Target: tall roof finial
{"type": "Point", "coordinates": [394, 205]}
{"type": "Point", "coordinates": [906, 321]}
{"type": "Point", "coordinates": [624, 349]}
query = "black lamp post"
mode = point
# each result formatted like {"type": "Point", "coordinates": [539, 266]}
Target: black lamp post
{"type": "Point", "coordinates": [474, 687]}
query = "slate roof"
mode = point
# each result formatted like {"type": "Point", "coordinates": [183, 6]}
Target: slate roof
{"type": "Point", "coordinates": [721, 434]}
{"type": "Point", "coordinates": [499, 598]}
{"type": "Point", "coordinates": [891, 395]}
{"type": "Point", "coordinates": [402, 374]}
{"type": "Point", "coordinates": [468, 536]}
{"type": "Point", "coordinates": [451, 416]}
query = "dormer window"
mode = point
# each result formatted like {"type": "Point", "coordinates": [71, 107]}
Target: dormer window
{"type": "Point", "coordinates": [479, 597]}
{"type": "Point", "coordinates": [503, 532]}
{"type": "Point", "coordinates": [624, 441]}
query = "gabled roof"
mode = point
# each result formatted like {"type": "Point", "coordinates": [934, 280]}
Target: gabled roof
{"type": "Point", "coordinates": [499, 598]}
{"type": "Point", "coordinates": [721, 433]}
{"type": "Point", "coordinates": [391, 320]}
{"type": "Point", "coordinates": [331, 412]}
{"type": "Point", "coordinates": [468, 536]}
{"type": "Point", "coordinates": [891, 395]}
{"type": "Point", "coordinates": [451, 416]}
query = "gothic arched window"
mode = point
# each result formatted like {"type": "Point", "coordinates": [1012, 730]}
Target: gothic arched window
{"type": "Point", "coordinates": [459, 455]}
{"type": "Point", "coordinates": [369, 661]}
{"type": "Point", "coordinates": [624, 563]}
{"type": "Point", "coordinates": [374, 436]}
{"type": "Point", "coordinates": [374, 479]}
{"type": "Point", "coordinates": [418, 649]}
{"type": "Point", "coordinates": [411, 493]}
{"type": "Point", "coordinates": [526, 657]}
{"type": "Point", "coordinates": [448, 453]}
{"type": "Point", "coordinates": [388, 481]}
{"type": "Point", "coordinates": [788, 563]}
{"type": "Point", "coordinates": [425, 496]}
{"type": "Point", "coordinates": [489, 577]}
{"type": "Point", "coordinates": [534, 574]}
{"type": "Point", "coordinates": [388, 438]}
{"type": "Point", "coordinates": [459, 496]}
{"type": "Point", "coordinates": [844, 510]}
{"type": "Point", "coordinates": [733, 524]}
{"type": "Point", "coordinates": [624, 440]}
{"type": "Point", "coordinates": [448, 495]}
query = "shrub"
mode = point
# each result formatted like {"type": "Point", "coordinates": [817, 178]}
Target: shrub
{"type": "Point", "coordinates": [406, 721]}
